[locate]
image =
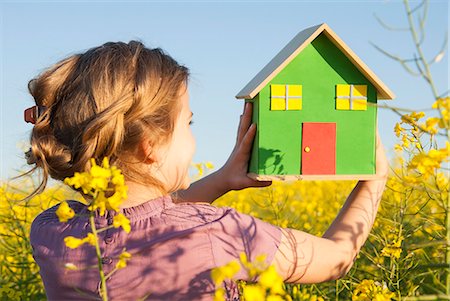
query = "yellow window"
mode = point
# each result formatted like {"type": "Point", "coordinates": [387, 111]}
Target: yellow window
{"type": "Point", "coordinates": [342, 104]}
{"type": "Point", "coordinates": [295, 104]}
{"type": "Point", "coordinates": [285, 97]}
{"type": "Point", "coordinates": [277, 104]}
{"type": "Point", "coordinates": [351, 97]}
{"type": "Point", "coordinates": [359, 105]}
{"type": "Point", "coordinates": [278, 90]}
{"type": "Point", "coordinates": [295, 90]}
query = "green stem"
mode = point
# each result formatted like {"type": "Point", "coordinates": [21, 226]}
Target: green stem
{"type": "Point", "coordinates": [103, 290]}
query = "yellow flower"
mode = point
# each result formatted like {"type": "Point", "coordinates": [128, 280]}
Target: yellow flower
{"type": "Point", "coordinates": [442, 180]}
{"type": "Point", "coordinates": [219, 294]}
{"type": "Point", "coordinates": [412, 118]}
{"type": "Point", "coordinates": [275, 298]}
{"type": "Point", "coordinates": [101, 179]}
{"type": "Point", "coordinates": [121, 221]}
{"type": "Point", "coordinates": [209, 165]}
{"type": "Point", "coordinates": [114, 202]}
{"type": "Point", "coordinates": [272, 280]}
{"type": "Point", "coordinates": [117, 176]}
{"type": "Point", "coordinates": [253, 268]}
{"type": "Point", "coordinates": [227, 271]}
{"type": "Point", "coordinates": [90, 239]}
{"type": "Point", "coordinates": [254, 293]}
{"type": "Point", "coordinates": [369, 290]}
{"type": "Point", "coordinates": [64, 212]}
{"type": "Point", "coordinates": [430, 125]}
{"type": "Point", "coordinates": [398, 147]}
{"type": "Point", "coordinates": [123, 258]}
{"type": "Point", "coordinates": [398, 129]}
{"type": "Point", "coordinates": [99, 203]}
{"type": "Point", "coordinates": [199, 167]}
{"type": "Point", "coordinates": [79, 180]}
{"type": "Point", "coordinates": [394, 249]}
{"type": "Point", "coordinates": [73, 242]}
{"type": "Point", "coordinates": [427, 163]}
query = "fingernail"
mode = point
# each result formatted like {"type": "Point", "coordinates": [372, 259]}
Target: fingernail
{"type": "Point", "coordinates": [246, 106]}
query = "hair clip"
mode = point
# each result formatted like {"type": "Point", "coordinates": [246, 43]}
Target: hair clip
{"type": "Point", "coordinates": [33, 113]}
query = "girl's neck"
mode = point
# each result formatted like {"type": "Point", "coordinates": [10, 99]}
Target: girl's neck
{"type": "Point", "coordinates": [139, 194]}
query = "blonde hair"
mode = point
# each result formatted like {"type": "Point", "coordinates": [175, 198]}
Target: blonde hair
{"type": "Point", "coordinates": [103, 103]}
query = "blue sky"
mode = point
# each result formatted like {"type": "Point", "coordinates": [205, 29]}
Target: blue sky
{"type": "Point", "coordinates": [223, 43]}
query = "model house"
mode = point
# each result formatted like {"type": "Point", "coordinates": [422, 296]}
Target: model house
{"type": "Point", "coordinates": [315, 108]}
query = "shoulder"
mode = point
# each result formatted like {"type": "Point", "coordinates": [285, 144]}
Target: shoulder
{"type": "Point", "coordinates": [49, 215]}
{"type": "Point", "coordinates": [197, 212]}
{"type": "Point", "coordinates": [47, 221]}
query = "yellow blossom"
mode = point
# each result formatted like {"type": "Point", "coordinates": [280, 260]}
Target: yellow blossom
{"type": "Point", "coordinates": [219, 274]}
{"type": "Point", "coordinates": [123, 258]}
{"type": "Point", "coordinates": [430, 125]}
{"type": "Point", "coordinates": [394, 249]}
{"type": "Point", "coordinates": [426, 163]}
{"type": "Point", "coordinates": [79, 180]}
{"type": "Point", "coordinates": [73, 242]}
{"type": "Point", "coordinates": [256, 267]}
{"type": "Point", "coordinates": [219, 294]}
{"type": "Point", "coordinates": [113, 202]}
{"type": "Point", "coordinates": [254, 293]}
{"type": "Point", "coordinates": [398, 147]}
{"type": "Point", "coordinates": [398, 129]}
{"type": "Point", "coordinates": [99, 203]}
{"type": "Point", "coordinates": [275, 298]}
{"type": "Point", "coordinates": [121, 221]}
{"type": "Point", "coordinates": [369, 290]}
{"type": "Point", "coordinates": [272, 280]}
{"type": "Point", "coordinates": [64, 212]}
{"type": "Point", "coordinates": [90, 239]}
{"type": "Point", "coordinates": [412, 118]}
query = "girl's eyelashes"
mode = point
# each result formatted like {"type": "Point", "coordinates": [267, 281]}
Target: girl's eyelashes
{"type": "Point", "coordinates": [191, 122]}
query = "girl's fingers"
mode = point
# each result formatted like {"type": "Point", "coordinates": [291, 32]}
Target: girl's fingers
{"type": "Point", "coordinates": [261, 183]}
{"type": "Point", "coordinates": [244, 123]}
{"type": "Point", "coordinates": [247, 140]}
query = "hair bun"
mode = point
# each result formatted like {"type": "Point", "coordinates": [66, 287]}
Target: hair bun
{"type": "Point", "coordinates": [50, 154]}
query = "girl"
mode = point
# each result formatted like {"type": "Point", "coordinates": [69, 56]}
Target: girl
{"type": "Point", "coordinates": [131, 104]}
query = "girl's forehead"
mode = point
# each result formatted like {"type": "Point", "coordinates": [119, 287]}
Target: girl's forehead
{"type": "Point", "coordinates": [185, 101]}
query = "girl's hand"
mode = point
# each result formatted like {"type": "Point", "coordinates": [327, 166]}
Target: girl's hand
{"type": "Point", "coordinates": [234, 171]}
{"type": "Point", "coordinates": [382, 165]}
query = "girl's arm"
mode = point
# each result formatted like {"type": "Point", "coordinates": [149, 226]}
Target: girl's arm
{"type": "Point", "coordinates": [305, 258]}
{"type": "Point", "coordinates": [233, 175]}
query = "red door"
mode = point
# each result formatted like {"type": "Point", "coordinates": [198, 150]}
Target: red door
{"type": "Point", "coordinates": [318, 148]}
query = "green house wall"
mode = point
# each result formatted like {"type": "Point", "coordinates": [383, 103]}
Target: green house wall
{"type": "Point", "coordinates": [318, 68]}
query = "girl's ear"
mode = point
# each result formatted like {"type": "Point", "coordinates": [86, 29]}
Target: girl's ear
{"type": "Point", "coordinates": [146, 152]}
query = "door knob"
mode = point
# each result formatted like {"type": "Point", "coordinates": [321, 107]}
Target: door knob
{"type": "Point", "coordinates": [307, 149]}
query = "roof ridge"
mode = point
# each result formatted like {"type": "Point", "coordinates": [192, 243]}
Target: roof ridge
{"type": "Point", "coordinates": [294, 47]}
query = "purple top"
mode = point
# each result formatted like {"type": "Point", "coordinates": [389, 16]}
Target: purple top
{"type": "Point", "coordinates": [173, 249]}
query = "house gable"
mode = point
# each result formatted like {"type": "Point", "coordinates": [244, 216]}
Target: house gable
{"type": "Point", "coordinates": [296, 46]}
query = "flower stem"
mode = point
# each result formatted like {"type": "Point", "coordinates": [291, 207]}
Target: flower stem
{"type": "Point", "coordinates": [103, 290]}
